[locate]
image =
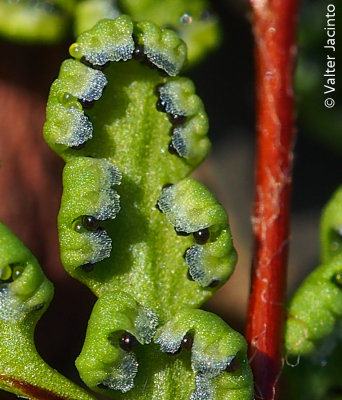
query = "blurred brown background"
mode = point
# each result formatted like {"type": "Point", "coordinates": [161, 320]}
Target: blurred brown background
{"type": "Point", "coordinates": [30, 176]}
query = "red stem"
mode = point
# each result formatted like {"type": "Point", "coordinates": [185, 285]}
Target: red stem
{"type": "Point", "coordinates": [274, 24]}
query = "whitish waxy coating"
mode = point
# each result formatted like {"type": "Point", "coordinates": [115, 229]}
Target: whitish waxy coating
{"type": "Point", "coordinates": [80, 81]}
{"type": "Point", "coordinates": [109, 40]}
{"type": "Point", "coordinates": [213, 350]}
{"type": "Point", "coordinates": [180, 98]}
{"type": "Point", "coordinates": [90, 194]}
{"type": "Point", "coordinates": [162, 47]}
{"type": "Point", "coordinates": [103, 363]}
{"type": "Point", "coordinates": [66, 125]}
{"type": "Point", "coordinates": [190, 207]}
{"type": "Point", "coordinates": [25, 293]}
{"type": "Point", "coordinates": [189, 139]}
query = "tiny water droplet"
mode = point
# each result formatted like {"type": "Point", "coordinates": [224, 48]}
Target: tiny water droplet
{"type": "Point", "coordinates": [69, 101]}
{"type": "Point", "coordinates": [75, 50]}
{"type": "Point", "coordinates": [66, 98]}
{"type": "Point", "coordinates": [77, 226]}
{"type": "Point", "coordinates": [186, 18]}
{"type": "Point", "coordinates": [17, 271]}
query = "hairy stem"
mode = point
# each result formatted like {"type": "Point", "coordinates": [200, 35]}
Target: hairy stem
{"type": "Point", "coordinates": [274, 25]}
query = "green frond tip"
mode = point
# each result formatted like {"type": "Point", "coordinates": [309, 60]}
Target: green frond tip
{"type": "Point", "coordinates": [148, 240]}
{"type": "Point", "coordinates": [25, 293]}
{"type": "Point", "coordinates": [149, 129]}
